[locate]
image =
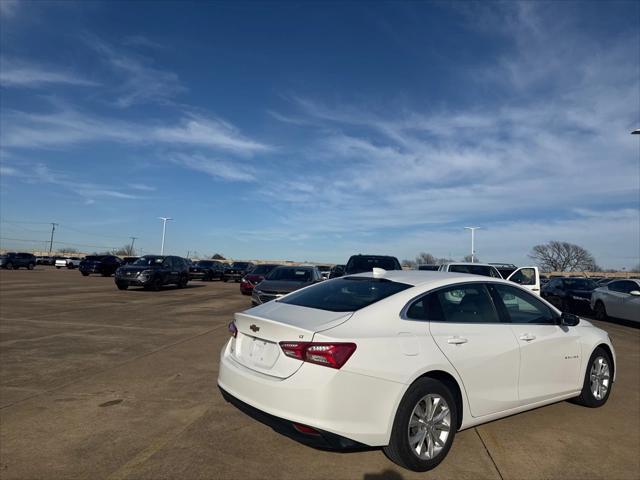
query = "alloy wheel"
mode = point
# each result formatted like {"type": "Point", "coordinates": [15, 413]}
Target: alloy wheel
{"type": "Point", "coordinates": [429, 426]}
{"type": "Point", "coordinates": [600, 378]}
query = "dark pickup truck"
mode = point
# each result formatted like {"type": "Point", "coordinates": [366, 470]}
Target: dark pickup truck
{"type": "Point", "coordinates": [236, 271]}
{"type": "Point", "coordinates": [207, 270]}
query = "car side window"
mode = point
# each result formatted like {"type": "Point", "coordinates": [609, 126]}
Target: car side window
{"type": "Point", "coordinates": [524, 276]}
{"type": "Point", "coordinates": [470, 303]}
{"type": "Point", "coordinates": [426, 308]}
{"type": "Point", "coordinates": [167, 263]}
{"type": "Point", "coordinates": [494, 273]}
{"type": "Point", "coordinates": [616, 286]}
{"type": "Point", "coordinates": [523, 307]}
{"type": "Point", "coordinates": [631, 286]}
{"type": "Point", "coordinates": [623, 286]}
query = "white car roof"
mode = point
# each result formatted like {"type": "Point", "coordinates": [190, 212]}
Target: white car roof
{"type": "Point", "coordinates": [424, 277]}
{"type": "Point", "coordinates": [469, 263]}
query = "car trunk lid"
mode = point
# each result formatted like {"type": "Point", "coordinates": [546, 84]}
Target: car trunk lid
{"type": "Point", "coordinates": [260, 330]}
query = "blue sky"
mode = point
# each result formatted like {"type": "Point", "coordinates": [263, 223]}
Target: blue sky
{"type": "Point", "coordinates": [311, 131]}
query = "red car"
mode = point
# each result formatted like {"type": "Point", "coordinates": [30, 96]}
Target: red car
{"type": "Point", "coordinates": [254, 277]}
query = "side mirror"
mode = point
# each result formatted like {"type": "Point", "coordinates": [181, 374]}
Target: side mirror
{"type": "Point", "coordinates": [569, 320]}
{"type": "Point", "coordinates": [635, 293]}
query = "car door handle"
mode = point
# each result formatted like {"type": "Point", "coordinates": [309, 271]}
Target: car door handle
{"type": "Point", "coordinates": [527, 337]}
{"type": "Point", "coordinates": [456, 340]}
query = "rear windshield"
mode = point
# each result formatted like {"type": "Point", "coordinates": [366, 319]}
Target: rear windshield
{"type": "Point", "coordinates": [290, 273]}
{"type": "Point", "coordinates": [149, 261]}
{"type": "Point", "coordinates": [366, 264]}
{"type": "Point", "coordinates": [345, 294]}
{"type": "Point", "coordinates": [241, 265]}
{"type": "Point", "coordinates": [579, 284]}
{"type": "Point", "coordinates": [473, 269]}
{"type": "Point", "coordinates": [263, 269]}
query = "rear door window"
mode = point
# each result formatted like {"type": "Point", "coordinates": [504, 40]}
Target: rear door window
{"type": "Point", "coordinates": [470, 303]}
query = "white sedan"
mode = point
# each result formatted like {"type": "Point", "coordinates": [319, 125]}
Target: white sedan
{"type": "Point", "coordinates": [404, 359]}
{"type": "Point", "coordinates": [618, 299]}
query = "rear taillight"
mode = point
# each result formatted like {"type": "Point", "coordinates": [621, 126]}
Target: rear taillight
{"type": "Point", "coordinates": [333, 355]}
{"type": "Point", "coordinates": [233, 330]}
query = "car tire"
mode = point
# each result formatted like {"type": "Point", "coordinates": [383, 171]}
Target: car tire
{"type": "Point", "coordinates": [426, 419]}
{"type": "Point", "coordinates": [31, 266]}
{"type": "Point", "coordinates": [122, 286]}
{"type": "Point", "coordinates": [9, 266]}
{"type": "Point", "coordinates": [183, 282]}
{"type": "Point", "coordinates": [85, 274]}
{"type": "Point", "coordinates": [156, 284]}
{"type": "Point", "coordinates": [600, 310]}
{"type": "Point", "coordinates": [598, 380]}
{"type": "Point", "coordinates": [58, 268]}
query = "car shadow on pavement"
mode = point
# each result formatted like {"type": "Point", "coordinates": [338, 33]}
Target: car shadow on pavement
{"type": "Point", "coordinates": [384, 475]}
{"type": "Point", "coordinates": [165, 288]}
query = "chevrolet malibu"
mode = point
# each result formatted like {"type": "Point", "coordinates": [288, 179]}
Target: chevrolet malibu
{"type": "Point", "coordinates": [404, 359]}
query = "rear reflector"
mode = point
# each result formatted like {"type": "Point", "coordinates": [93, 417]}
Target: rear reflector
{"type": "Point", "coordinates": [305, 429]}
{"type": "Point", "coordinates": [333, 355]}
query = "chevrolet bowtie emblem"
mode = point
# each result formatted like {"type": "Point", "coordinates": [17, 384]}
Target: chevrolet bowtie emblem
{"type": "Point", "coordinates": [254, 327]}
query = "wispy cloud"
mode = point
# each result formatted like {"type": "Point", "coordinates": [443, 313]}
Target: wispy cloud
{"type": "Point", "coordinates": [66, 126]}
{"type": "Point", "coordinates": [40, 173]}
{"type": "Point", "coordinates": [22, 74]}
{"type": "Point", "coordinates": [214, 167]}
{"type": "Point", "coordinates": [142, 82]}
{"type": "Point", "coordinates": [209, 132]}
{"type": "Point", "coordinates": [142, 41]}
{"type": "Point", "coordinates": [8, 8]}
{"type": "Point", "coordinates": [142, 187]}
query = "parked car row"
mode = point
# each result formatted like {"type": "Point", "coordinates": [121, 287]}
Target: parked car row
{"type": "Point", "coordinates": [13, 261]}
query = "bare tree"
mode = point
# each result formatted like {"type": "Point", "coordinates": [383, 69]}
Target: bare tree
{"type": "Point", "coordinates": [125, 251]}
{"type": "Point", "coordinates": [558, 256]}
{"type": "Point", "coordinates": [469, 258]}
{"type": "Point", "coordinates": [69, 250]}
{"type": "Point", "coordinates": [408, 263]}
{"type": "Point", "coordinates": [425, 259]}
{"type": "Point", "coordinates": [217, 256]}
{"type": "Point", "coordinates": [443, 260]}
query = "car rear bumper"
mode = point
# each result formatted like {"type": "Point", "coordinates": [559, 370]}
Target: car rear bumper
{"type": "Point", "coordinates": [233, 276]}
{"type": "Point", "coordinates": [321, 439]}
{"type": "Point", "coordinates": [357, 407]}
{"type": "Point", "coordinates": [246, 288]}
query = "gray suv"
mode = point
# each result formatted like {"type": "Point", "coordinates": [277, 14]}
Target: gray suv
{"type": "Point", "coordinates": [13, 261]}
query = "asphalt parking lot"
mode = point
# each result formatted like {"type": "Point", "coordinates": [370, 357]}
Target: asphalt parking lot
{"type": "Point", "coordinates": [101, 383]}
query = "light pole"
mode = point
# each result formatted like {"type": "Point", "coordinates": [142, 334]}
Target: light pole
{"type": "Point", "coordinates": [53, 229]}
{"type": "Point", "coordinates": [133, 240]}
{"type": "Point", "coordinates": [164, 228]}
{"type": "Point", "coordinates": [473, 250]}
